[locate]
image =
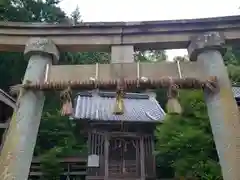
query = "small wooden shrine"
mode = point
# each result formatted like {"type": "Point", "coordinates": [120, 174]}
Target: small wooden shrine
{"type": "Point", "coordinates": [120, 145]}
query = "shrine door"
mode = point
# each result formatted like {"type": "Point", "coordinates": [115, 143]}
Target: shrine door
{"type": "Point", "coordinates": [124, 157]}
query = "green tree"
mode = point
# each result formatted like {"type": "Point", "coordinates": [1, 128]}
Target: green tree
{"type": "Point", "coordinates": [232, 61]}
{"type": "Point", "coordinates": [50, 165]}
{"type": "Point", "coordinates": [185, 141]}
{"type": "Point", "coordinates": [150, 56]}
{"type": "Point", "coordinates": [76, 15]}
{"type": "Point", "coordinates": [32, 11]}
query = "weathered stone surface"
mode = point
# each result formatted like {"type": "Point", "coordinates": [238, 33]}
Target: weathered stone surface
{"type": "Point", "coordinates": [17, 152]}
{"type": "Point", "coordinates": [206, 41]}
{"type": "Point", "coordinates": [42, 46]}
{"type": "Point", "coordinates": [223, 114]}
{"type": "Point", "coordinates": [122, 54]}
{"type": "Point", "coordinates": [85, 37]}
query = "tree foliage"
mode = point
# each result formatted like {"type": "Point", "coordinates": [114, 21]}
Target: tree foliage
{"type": "Point", "coordinates": [150, 56]}
{"type": "Point", "coordinates": [185, 141]}
{"type": "Point", "coordinates": [232, 61]}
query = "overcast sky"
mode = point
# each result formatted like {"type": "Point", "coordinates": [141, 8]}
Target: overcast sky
{"type": "Point", "coordinates": [146, 10]}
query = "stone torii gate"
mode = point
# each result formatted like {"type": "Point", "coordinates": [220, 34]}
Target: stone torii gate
{"type": "Point", "coordinates": [41, 43]}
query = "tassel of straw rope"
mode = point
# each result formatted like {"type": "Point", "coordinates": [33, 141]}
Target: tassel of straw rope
{"type": "Point", "coordinates": [66, 98]}
{"type": "Point", "coordinates": [173, 105]}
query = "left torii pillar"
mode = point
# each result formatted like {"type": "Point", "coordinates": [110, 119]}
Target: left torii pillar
{"type": "Point", "coordinates": [17, 152]}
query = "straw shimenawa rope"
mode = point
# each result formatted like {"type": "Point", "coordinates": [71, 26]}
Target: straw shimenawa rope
{"type": "Point", "coordinates": [122, 85]}
{"type": "Point", "coordinates": [130, 85]}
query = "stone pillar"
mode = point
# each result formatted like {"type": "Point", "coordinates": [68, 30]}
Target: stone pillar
{"type": "Point", "coordinates": [221, 105]}
{"type": "Point", "coordinates": [17, 152]}
{"type": "Point", "coordinates": [122, 54]}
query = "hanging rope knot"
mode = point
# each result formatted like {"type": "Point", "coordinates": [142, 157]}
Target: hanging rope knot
{"type": "Point", "coordinates": [119, 106]}
{"type": "Point", "coordinates": [173, 89]}
{"type": "Point", "coordinates": [15, 89]}
{"type": "Point", "coordinates": [173, 105]}
{"type": "Point", "coordinates": [211, 85]}
{"type": "Point", "coordinates": [19, 90]}
{"type": "Point", "coordinates": [66, 98]}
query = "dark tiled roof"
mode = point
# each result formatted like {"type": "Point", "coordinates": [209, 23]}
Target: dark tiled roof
{"type": "Point", "coordinates": [99, 106]}
{"type": "Point", "coordinates": [7, 99]}
{"type": "Point", "coordinates": [236, 92]}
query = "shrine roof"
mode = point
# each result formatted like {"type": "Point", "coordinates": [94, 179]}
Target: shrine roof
{"type": "Point", "coordinates": [99, 106]}
{"type": "Point", "coordinates": [7, 99]}
{"type": "Point", "coordinates": [236, 91]}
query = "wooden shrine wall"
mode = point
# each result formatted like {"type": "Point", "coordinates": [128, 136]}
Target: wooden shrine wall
{"type": "Point", "coordinates": [95, 147]}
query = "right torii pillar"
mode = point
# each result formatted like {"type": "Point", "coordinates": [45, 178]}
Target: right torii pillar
{"type": "Point", "coordinates": [222, 108]}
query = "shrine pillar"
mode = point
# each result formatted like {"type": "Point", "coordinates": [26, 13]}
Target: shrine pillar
{"type": "Point", "coordinates": [222, 108]}
{"type": "Point", "coordinates": [17, 152]}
